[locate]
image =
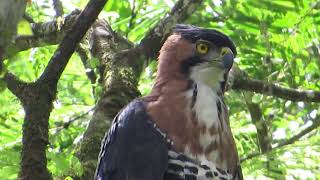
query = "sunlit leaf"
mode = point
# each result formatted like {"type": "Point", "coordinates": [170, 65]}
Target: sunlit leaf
{"type": "Point", "coordinates": [24, 28]}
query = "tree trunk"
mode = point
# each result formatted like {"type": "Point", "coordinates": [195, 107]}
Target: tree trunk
{"type": "Point", "coordinates": [119, 82]}
{"type": "Point", "coordinates": [37, 101]}
{"type": "Point", "coordinates": [37, 98]}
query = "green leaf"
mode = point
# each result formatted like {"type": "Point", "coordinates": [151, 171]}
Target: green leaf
{"type": "Point", "coordinates": [94, 62]}
{"type": "Point", "coordinates": [3, 85]}
{"type": "Point", "coordinates": [24, 28]}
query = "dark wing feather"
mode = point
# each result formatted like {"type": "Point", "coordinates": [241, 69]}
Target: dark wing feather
{"type": "Point", "coordinates": [238, 175]}
{"type": "Point", "coordinates": [133, 149]}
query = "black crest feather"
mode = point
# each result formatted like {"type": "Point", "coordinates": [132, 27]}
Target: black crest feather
{"type": "Point", "coordinates": [194, 33]}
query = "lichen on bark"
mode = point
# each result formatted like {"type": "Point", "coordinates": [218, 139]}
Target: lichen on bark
{"type": "Point", "coordinates": [121, 71]}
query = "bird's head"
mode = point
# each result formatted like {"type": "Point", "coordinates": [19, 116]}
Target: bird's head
{"type": "Point", "coordinates": [201, 55]}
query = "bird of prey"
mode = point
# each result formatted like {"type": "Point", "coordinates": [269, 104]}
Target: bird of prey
{"type": "Point", "coordinates": [181, 129]}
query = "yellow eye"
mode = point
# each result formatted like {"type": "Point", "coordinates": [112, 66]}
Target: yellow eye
{"type": "Point", "coordinates": [202, 48]}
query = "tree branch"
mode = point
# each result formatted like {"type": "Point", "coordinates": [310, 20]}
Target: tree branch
{"type": "Point", "coordinates": [65, 125]}
{"type": "Point", "coordinates": [119, 79]}
{"type": "Point", "coordinates": [28, 18]}
{"type": "Point", "coordinates": [259, 122]}
{"type": "Point", "coordinates": [315, 124]}
{"type": "Point", "coordinates": [37, 98]}
{"type": "Point", "coordinates": [253, 85]}
{"type": "Point", "coordinates": [68, 45]}
{"type": "Point", "coordinates": [239, 80]}
{"type": "Point", "coordinates": [48, 33]}
{"type": "Point", "coordinates": [58, 8]}
{"type": "Point", "coordinates": [133, 15]}
{"type": "Point", "coordinates": [153, 41]}
{"type": "Point", "coordinates": [84, 59]}
{"type": "Point", "coordinates": [15, 85]}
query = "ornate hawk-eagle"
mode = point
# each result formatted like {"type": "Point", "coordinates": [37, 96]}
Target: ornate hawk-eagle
{"type": "Point", "coordinates": [181, 129]}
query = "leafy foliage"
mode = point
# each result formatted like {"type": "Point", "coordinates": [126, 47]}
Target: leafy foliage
{"type": "Point", "coordinates": [278, 41]}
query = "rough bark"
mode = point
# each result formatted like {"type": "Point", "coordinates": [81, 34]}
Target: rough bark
{"type": "Point", "coordinates": [37, 97]}
{"type": "Point", "coordinates": [264, 139]}
{"type": "Point", "coordinates": [120, 78]}
{"type": "Point", "coordinates": [37, 102]}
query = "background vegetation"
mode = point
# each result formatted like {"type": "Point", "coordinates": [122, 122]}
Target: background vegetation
{"type": "Point", "coordinates": [278, 43]}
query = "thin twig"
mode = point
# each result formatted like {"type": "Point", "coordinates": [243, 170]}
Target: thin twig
{"type": "Point", "coordinates": [28, 18]}
{"type": "Point", "coordinates": [84, 59]}
{"type": "Point", "coordinates": [315, 125]}
{"type": "Point", "coordinates": [65, 125]}
{"type": "Point", "coordinates": [133, 15]}
{"type": "Point", "coordinates": [150, 45]}
{"type": "Point", "coordinates": [296, 26]}
{"type": "Point", "coordinates": [58, 7]}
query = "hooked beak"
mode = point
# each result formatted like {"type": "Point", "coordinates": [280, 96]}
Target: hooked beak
{"type": "Point", "coordinates": [227, 58]}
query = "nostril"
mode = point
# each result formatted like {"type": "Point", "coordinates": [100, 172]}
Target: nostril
{"type": "Point", "coordinates": [224, 51]}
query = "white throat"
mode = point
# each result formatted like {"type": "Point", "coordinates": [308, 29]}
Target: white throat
{"type": "Point", "coordinates": [205, 105]}
{"type": "Point", "coordinates": [210, 76]}
{"type": "Point", "coordinates": [208, 79]}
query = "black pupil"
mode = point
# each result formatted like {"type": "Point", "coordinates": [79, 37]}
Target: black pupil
{"type": "Point", "coordinates": [203, 47]}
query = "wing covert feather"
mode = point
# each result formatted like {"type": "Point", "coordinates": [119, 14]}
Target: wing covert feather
{"type": "Point", "coordinates": [133, 149]}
